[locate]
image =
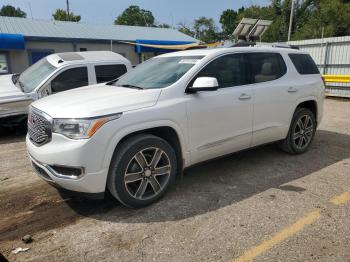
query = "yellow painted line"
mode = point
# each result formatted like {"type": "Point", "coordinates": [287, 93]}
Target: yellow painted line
{"type": "Point", "coordinates": [291, 230]}
{"type": "Point", "coordinates": [285, 233]}
{"type": "Point", "coordinates": [341, 199]}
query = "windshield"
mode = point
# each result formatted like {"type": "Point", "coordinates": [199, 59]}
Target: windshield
{"type": "Point", "coordinates": [158, 72]}
{"type": "Point", "coordinates": [35, 74]}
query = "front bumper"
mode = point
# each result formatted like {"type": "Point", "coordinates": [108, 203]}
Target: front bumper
{"type": "Point", "coordinates": [62, 151]}
{"type": "Point", "coordinates": [43, 172]}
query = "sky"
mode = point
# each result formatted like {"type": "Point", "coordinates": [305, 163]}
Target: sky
{"type": "Point", "coordinates": [105, 11]}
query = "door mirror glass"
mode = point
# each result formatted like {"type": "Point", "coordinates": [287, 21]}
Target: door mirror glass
{"type": "Point", "coordinates": [205, 84]}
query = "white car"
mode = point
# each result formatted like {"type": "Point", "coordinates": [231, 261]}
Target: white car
{"type": "Point", "coordinates": [56, 73]}
{"type": "Point", "coordinates": [133, 137]}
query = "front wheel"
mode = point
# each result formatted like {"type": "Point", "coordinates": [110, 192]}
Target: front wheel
{"type": "Point", "coordinates": [301, 132]}
{"type": "Point", "coordinates": [141, 171]}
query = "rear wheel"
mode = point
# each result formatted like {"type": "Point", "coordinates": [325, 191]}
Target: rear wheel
{"type": "Point", "coordinates": [301, 132]}
{"type": "Point", "coordinates": [141, 171]}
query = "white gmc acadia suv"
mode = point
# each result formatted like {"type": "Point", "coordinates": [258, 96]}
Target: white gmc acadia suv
{"type": "Point", "coordinates": [133, 136]}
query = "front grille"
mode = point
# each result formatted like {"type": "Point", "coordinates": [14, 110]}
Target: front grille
{"type": "Point", "coordinates": [39, 128]}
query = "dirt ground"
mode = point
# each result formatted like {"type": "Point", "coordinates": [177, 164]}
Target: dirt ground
{"type": "Point", "coordinates": [250, 205]}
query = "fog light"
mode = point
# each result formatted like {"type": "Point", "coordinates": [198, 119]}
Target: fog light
{"type": "Point", "coordinates": [67, 172]}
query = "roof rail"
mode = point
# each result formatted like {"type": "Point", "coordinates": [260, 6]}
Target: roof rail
{"type": "Point", "coordinates": [260, 44]}
{"type": "Point", "coordinates": [279, 45]}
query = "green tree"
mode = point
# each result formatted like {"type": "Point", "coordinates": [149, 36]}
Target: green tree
{"type": "Point", "coordinates": [311, 18]}
{"type": "Point", "coordinates": [257, 12]}
{"type": "Point", "coordinates": [229, 21]}
{"type": "Point", "coordinates": [331, 17]}
{"type": "Point", "coordinates": [205, 29]}
{"type": "Point", "coordinates": [61, 15]}
{"type": "Point", "coordinates": [9, 10]}
{"type": "Point", "coordinates": [185, 29]}
{"type": "Point", "coordinates": [134, 15]}
{"type": "Point", "coordinates": [279, 15]}
{"type": "Point", "coordinates": [163, 25]}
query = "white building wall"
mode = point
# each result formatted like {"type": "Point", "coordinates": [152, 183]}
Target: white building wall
{"type": "Point", "coordinates": [20, 60]}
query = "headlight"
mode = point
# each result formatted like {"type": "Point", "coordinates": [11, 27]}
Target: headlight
{"type": "Point", "coordinates": [81, 128]}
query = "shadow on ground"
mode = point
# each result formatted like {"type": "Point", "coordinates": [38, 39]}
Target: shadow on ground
{"type": "Point", "coordinates": [12, 132]}
{"type": "Point", "coordinates": [228, 180]}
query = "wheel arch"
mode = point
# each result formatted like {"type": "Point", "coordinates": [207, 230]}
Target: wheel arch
{"type": "Point", "coordinates": [311, 105]}
{"type": "Point", "coordinates": [167, 131]}
{"type": "Point", "coordinates": [306, 102]}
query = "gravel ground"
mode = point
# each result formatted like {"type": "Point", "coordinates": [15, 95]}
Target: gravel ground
{"type": "Point", "coordinates": [217, 212]}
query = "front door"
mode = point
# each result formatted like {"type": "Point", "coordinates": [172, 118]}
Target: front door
{"type": "Point", "coordinates": [220, 122]}
{"type": "Point", "coordinates": [69, 79]}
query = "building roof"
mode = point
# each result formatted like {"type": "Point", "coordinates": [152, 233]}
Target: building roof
{"type": "Point", "coordinates": [32, 28]}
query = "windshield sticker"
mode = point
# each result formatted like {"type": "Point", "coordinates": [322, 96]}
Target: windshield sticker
{"type": "Point", "coordinates": [189, 61]}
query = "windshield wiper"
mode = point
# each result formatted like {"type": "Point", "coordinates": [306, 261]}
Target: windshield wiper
{"type": "Point", "coordinates": [112, 82]}
{"type": "Point", "coordinates": [21, 85]}
{"type": "Point", "coordinates": [132, 86]}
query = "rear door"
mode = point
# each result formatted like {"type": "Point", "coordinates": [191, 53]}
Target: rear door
{"type": "Point", "coordinates": [274, 97]}
{"type": "Point", "coordinates": [106, 73]}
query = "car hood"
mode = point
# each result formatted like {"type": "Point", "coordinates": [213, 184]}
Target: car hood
{"type": "Point", "coordinates": [8, 90]}
{"type": "Point", "coordinates": [97, 100]}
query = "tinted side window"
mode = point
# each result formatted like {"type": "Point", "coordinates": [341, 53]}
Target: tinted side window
{"type": "Point", "coordinates": [105, 73]}
{"type": "Point", "coordinates": [266, 66]}
{"type": "Point", "coordinates": [229, 70]}
{"type": "Point", "coordinates": [69, 79]}
{"type": "Point", "coordinates": [304, 64]}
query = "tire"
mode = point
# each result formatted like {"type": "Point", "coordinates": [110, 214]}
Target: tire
{"type": "Point", "coordinates": [142, 169]}
{"type": "Point", "coordinates": [298, 139]}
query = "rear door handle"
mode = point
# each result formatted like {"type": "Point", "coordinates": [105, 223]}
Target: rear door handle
{"type": "Point", "coordinates": [292, 90]}
{"type": "Point", "coordinates": [244, 97]}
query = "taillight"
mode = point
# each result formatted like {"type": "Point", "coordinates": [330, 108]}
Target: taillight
{"type": "Point", "coordinates": [324, 80]}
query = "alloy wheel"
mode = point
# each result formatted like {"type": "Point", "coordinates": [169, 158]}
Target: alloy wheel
{"type": "Point", "coordinates": [303, 132]}
{"type": "Point", "coordinates": [147, 173]}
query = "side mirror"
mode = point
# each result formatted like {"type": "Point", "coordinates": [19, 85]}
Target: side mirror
{"type": "Point", "coordinates": [45, 91]}
{"type": "Point", "coordinates": [204, 84]}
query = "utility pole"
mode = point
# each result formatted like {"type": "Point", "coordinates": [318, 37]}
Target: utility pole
{"type": "Point", "coordinates": [144, 18]}
{"type": "Point", "coordinates": [30, 9]}
{"type": "Point", "coordinates": [291, 20]}
{"type": "Point", "coordinates": [68, 8]}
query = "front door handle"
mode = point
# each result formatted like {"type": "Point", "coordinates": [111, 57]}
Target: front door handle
{"type": "Point", "coordinates": [244, 97]}
{"type": "Point", "coordinates": [292, 90]}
